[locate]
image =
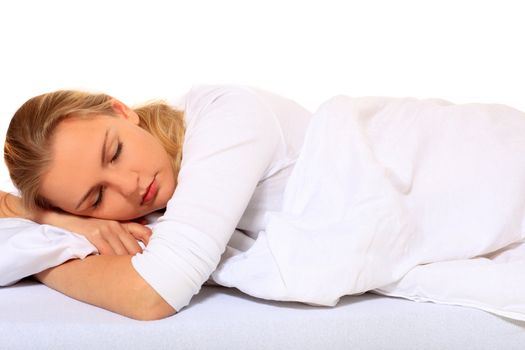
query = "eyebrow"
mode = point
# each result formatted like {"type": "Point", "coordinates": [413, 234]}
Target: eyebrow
{"type": "Point", "coordinates": [102, 162]}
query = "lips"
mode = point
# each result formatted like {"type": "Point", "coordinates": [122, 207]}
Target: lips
{"type": "Point", "coordinates": [151, 192]}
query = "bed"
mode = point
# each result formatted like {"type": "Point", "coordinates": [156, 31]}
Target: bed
{"type": "Point", "coordinates": [420, 253]}
{"type": "Point", "coordinates": [37, 317]}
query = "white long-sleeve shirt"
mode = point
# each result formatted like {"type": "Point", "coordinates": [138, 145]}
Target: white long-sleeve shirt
{"type": "Point", "coordinates": [239, 149]}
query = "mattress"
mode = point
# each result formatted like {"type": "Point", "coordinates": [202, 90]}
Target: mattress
{"type": "Point", "coordinates": [34, 316]}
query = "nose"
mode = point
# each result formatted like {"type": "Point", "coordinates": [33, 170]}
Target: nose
{"type": "Point", "coordinates": [124, 182]}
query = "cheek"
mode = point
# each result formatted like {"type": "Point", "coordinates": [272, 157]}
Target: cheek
{"type": "Point", "coordinates": [116, 208]}
{"type": "Point", "coordinates": [145, 150]}
{"type": "Point", "coordinates": [169, 187]}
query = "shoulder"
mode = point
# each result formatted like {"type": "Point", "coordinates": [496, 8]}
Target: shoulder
{"type": "Point", "coordinates": [202, 96]}
{"type": "Point", "coordinates": [227, 106]}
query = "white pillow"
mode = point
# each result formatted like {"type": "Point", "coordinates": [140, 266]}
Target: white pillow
{"type": "Point", "coordinates": [27, 248]}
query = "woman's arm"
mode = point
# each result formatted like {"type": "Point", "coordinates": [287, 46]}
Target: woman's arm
{"type": "Point", "coordinates": [107, 281]}
{"type": "Point", "coordinates": [110, 282]}
{"type": "Point", "coordinates": [230, 147]}
{"type": "Point", "coordinates": [108, 236]}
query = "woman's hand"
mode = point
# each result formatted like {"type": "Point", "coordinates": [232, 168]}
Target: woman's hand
{"type": "Point", "coordinates": [108, 236]}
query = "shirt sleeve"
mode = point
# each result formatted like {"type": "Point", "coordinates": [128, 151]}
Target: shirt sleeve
{"type": "Point", "coordinates": [230, 141]}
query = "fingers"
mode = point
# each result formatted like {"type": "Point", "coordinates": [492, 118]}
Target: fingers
{"type": "Point", "coordinates": [116, 238]}
{"type": "Point", "coordinates": [103, 247]}
{"type": "Point", "coordinates": [140, 232]}
{"type": "Point", "coordinates": [130, 244]}
{"type": "Point", "coordinates": [112, 239]}
{"type": "Point", "coordinates": [123, 241]}
{"type": "Point", "coordinates": [118, 242]}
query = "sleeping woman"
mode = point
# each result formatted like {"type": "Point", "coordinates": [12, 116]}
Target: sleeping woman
{"type": "Point", "coordinates": [89, 164]}
{"type": "Point", "coordinates": [421, 199]}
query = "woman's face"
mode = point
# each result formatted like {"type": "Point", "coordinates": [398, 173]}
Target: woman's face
{"type": "Point", "coordinates": [108, 167]}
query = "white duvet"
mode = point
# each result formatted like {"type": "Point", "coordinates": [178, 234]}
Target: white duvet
{"type": "Point", "coordinates": [421, 199]}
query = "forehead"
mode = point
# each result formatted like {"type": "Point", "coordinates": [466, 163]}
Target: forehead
{"type": "Point", "coordinates": [75, 127]}
{"type": "Point", "coordinates": [75, 136]}
{"type": "Point", "coordinates": [76, 147]}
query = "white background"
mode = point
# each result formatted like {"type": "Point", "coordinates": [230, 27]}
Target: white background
{"type": "Point", "coordinates": [463, 51]}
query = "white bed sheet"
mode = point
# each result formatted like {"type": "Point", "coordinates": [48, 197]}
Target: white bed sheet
{"type": "Point", "coordinates": [34, 316]}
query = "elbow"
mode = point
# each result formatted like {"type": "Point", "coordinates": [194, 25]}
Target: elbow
{"type": "Point", "coordinates": [145, 304]}
{"type": "Point", "coordinates": [148, 305]}
{"type": "Point", "coordinates": [152, 310]}
{"type": "Point", "coordinates": [149, 315]}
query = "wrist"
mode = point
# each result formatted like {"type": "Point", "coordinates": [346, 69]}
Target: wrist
{"type": "Point", "coordinates": [51, 217]}
{"type": "Point", "coordinates": [43, 216]}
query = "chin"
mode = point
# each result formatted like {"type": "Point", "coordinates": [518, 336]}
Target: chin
{"type": "Point", "coordinates": [149, 211]}
{"type": "Point", "coordinates": [128, 217]}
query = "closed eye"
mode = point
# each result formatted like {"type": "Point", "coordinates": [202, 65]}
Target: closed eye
{"type": "Point", "coordinates": [99, 198]}
{"type": "Point", "coordinates": [117, 152]}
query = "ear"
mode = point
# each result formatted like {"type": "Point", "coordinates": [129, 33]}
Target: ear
{"type": "Point", "coordinates": [125, 112]}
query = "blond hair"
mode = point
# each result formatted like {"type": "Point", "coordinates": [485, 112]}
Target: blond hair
{"type": "Point", "coordinates": [27, 148]}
